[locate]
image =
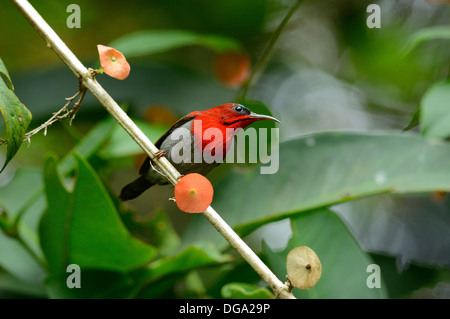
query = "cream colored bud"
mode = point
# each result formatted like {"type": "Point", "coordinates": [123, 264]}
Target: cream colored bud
{"type": "Point", "coordinates": [303, 267]}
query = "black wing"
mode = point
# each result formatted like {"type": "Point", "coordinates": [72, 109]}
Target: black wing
{"type": "Point", "coordinates": [146, 165]}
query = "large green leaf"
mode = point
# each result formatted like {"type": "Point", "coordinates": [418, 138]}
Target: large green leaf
{"type": "Point", "coordinates": [5, 75]}
{"type": "Point", "coordinates": [24, 202]}
{"type": "Point", "coordinates": [94, 284]}
{"type": "Point", "coordinates": [17, 198]}
{"type": "Point", "coordinates": [157, 41]}
{"type": "Point", "coordinates": [435, 111]}
{"type": "Point", "coordinates": [83, 227]}
{"type": "Point", "coordinates": [11, 284]}
{"type": "Point", "coordinates": [15, 195]}
{"type": "Point", "coordinates": [15, 114]}
{"type": "Point", "coordinates": [18, 261]}
{"type": "Point", "coordinates": [191, 257]}
{"type": "Point", "coordinates": [324, 169]}
{"type": "Point", "coordinates": [162, 273]}
{"type": "Point", "coordinates": [156, 229]}
{"type": "Point", "coordinates": [344, 263]}
{"type": "Point", "coordinates": [377, 221]}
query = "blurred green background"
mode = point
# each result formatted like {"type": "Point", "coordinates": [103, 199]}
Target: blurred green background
{"type": "Point", "coordinates": [344, 94]}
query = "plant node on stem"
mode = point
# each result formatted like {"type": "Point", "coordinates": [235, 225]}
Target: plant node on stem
{"type": "Point", "coordinates": [61, 114]}
{"type": "Point", "coordinates": [289, 284]}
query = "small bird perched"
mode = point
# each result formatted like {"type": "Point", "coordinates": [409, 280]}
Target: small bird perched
{"type": "Point", "coordinates": [192, 135]}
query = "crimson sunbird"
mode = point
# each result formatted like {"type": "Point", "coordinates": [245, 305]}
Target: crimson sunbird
{"type": "Point", "coordinates": [189, 146]}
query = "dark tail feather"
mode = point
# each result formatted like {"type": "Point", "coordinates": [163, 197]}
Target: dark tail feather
{"type": "Point", "coordinates": [135, 188]}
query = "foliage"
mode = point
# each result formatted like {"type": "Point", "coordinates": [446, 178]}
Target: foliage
{"type": "Point", "coordinates": [15, 114]}
{"type": "Point", "coordinates": [343, 251]}
{"type": "Point", "coordinates": [151, 42]}
{"type": "Point", "coordinates": [435, 112]}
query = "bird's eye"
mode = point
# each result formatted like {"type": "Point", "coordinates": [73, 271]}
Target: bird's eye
{"type": "Point", "coordinates": [241, 109]}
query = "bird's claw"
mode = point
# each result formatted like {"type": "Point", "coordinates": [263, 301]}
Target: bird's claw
{"type": "Point", "coordinates": [160, 154]}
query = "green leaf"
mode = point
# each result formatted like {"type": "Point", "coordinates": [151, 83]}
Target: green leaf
{"type": "Point", "coordinates": [156, 230]}
{"type": "Point", "coordinates": [83, 227]}
{"type": "Point", "coordinates": [53, 235]}
{"type": "Point", "coordinates": [164, 272]}
{"type": "Point", "coordinates": [5, 75]}
{"type": "Point", "coordinates": [121, 144]}
{"type": "Point", "coordinates": [16, 117]}
{"type": "Point", "coordinates": [246, 149]}
{"type": "Point", "coordinates": [23, 204]}
{"type": "Point", "coordinates": [415, 120]}
{"type": "Point", "coordinates": [236, 290]}
{"type": "Point", "coordinates": [344, 263]}
{"type": "Point", "coordinates": [90, 144]}
{"type": "Point", "coordinates": [15, 195]}
{"type": "Point", "coordinates": [95, 284]}
{"type": "Point", "coordinates": [435, 111]}
{"type": "Point", "coordinates": [24, 201]}
{"type": "Point", "coordinates": [404, 283]}
{"type": "Point", "coordinates": [157, 41]}
{"type": "Point", "coordinates": [426, 34]}
{"type": "Point", "coordinates": [27, 185]}
{"type": "Point", "coordinates": [192, 257]}
{"type": "Point", "coordinates": [324, 169]}
{"type": "Point", "coordinates": [18, 261]}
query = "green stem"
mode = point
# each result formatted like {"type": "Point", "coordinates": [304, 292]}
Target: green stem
{"type": "Point", "coordinates": [30, 251]}
{"type": "Point", "coordinates": [262, 61]}
{"type": "Point", "coordinates": [172, 174]}
{"type": "Point", "coordinates": [34, 197]}
{"type": "Point", "coordinates": [5, 226]}
{"type": "Point", "coordinates": [11, 230]}
{"type": "Point", "coordinates": [74, 134]}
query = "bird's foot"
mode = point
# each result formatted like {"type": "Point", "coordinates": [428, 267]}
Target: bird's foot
{"type": "Point", "coordinates": [160, 154]}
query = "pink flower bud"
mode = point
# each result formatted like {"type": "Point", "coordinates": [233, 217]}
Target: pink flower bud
{"type": "Point", "coordinates": [113, 62]}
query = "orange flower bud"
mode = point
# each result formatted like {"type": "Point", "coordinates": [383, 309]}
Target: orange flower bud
{"type": "Point", "coordinates": [232, 68]}
{"type": "Point", "coordinates": [193, 193]}
{"type": "Point", "coordinates": [113, 62]}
